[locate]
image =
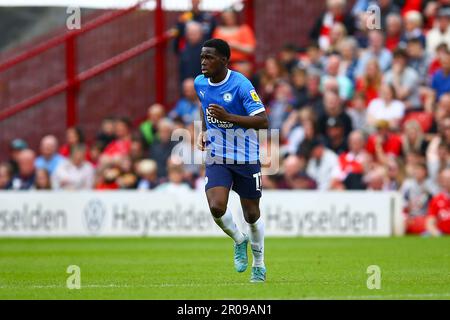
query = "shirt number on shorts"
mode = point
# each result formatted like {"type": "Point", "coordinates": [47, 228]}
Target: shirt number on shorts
{"type": "Point", "coordinates": [258, 179]}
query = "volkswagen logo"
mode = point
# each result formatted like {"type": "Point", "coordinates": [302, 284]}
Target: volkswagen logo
{"type": "Point", "coordinates": [94, 216]}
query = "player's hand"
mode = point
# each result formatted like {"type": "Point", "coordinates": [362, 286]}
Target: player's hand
{"type": "Point", "coordinates": [219, 112]}
{"type": "Point", "coordinates": [201, 141]}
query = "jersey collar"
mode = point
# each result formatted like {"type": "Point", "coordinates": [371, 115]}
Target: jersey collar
{"type": "Point", "coordinates": [221, 82]}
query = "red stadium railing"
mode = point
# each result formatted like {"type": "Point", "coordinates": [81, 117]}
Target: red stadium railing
{"type": "Point", "coordinates": [74, 79]}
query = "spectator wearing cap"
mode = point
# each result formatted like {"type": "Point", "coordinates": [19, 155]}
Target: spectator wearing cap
{"type": "Point", "coordinates": [440, 33]}
{"type": "Point", "coordinates": [187, 108]}
{"type": "Point", "coordinates": [405, 80]}
{"type": "Point", "coordinates": [335, 139]}
{"type": "Point", "coordinates": [323, 165]}
{"type": "Point", "coordinates": [441, 79]}
{"type": "Point", "coordinates": [25, 178]}
{"type": "Point", "coordinates": [49, 159]}
{"type": "Point", "coordinates": [375, 50]}
{"type": "Point", "coordinates": [16, 146]}
{"type": "Point", "coordinates": [386, 107]}
{"type": "Point", "coordinates": [76, 173]}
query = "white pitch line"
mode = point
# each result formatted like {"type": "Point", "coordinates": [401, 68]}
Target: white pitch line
{"type": "Point", "coordinates": [162, 285]}
{"type": "Point", "coordinates": [389, 296]}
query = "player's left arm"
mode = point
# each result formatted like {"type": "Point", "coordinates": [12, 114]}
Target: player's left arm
{"type": "Point", "coordinates": [258, 121]}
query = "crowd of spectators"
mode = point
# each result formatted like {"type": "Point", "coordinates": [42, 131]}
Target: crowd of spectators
{"type": "Point", "coordinates": [357, 109]}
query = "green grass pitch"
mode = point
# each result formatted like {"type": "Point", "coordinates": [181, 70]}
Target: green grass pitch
{"type": "Point", "coordinates": [202, 268]}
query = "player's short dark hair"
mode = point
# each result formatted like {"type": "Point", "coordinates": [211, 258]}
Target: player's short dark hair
{"type": "Point", "coordinates": [220, 45]}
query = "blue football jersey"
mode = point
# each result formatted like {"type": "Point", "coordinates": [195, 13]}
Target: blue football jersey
{"type": "Point", "coordinates": [236, 95]}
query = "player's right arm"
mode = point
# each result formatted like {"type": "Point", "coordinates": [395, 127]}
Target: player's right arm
{"type": "Point", "coordinates": [201, 139]}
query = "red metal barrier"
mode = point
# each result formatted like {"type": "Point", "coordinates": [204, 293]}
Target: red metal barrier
{"type": "Point", "coordinates": [58, 40]}
{"type": "Point", "coordinates": [73, 80]}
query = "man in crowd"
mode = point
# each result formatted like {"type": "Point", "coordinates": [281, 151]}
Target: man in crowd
{"type": "Point", "coordinates": [75, 173]}
{"type": "Point", "coordinates": [25, 179]}
{"type": "Point", "coordinates": [49, 159]}
{"type": "Point", "coordinates": [187, 107]}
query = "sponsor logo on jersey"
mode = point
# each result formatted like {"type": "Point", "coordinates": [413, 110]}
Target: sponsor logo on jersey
{"type": "Point", "coordinates": [218, 123]}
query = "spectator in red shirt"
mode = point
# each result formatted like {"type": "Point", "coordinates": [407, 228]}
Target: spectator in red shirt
{"type": "Point", "coordinates": [370, 82]}
{"type": "Point", "coordinates": [352, 163]}
{"type": "Point", "coordinates": [384, 142]}
{"type": "Point", "coordinates": [335, 13]}
{"type": "Point", "coordinates": [393, 31]}
{"type": "Point", "coordinates": [108, 178]}
{"type": "Point", "coordinates": [121, 147]}
{"type": "Point", "coordinates": [438, 220]}
{"type": "Point", "coordinates": [435, 64]}
{"type": "Point", "coordinates": [74, 137]}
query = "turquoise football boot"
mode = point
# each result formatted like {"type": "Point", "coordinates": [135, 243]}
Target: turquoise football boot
{"type": "Point", "coordinates": [258, 274]}
{"type": "Point", "coordinates": [240, 255]}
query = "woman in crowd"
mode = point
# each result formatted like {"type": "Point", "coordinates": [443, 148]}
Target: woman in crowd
{"type": "Point", "coordinates": [240, 37]}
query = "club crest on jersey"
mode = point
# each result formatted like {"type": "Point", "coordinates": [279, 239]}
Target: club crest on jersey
{"type": "Point", "coordinates": [227, 97]}
{"type": "Point", "coordinates": [255, 96]}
